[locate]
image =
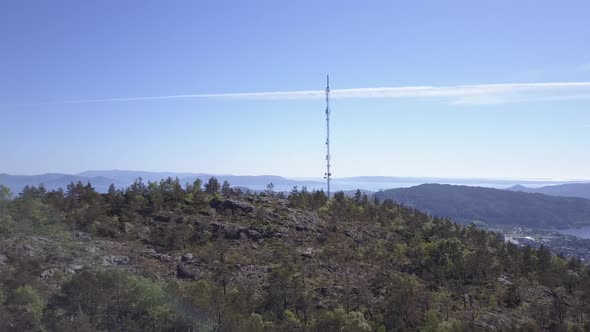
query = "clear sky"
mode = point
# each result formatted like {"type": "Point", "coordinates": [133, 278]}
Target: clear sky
{"type": "Point", "coordinates": [99, 53]}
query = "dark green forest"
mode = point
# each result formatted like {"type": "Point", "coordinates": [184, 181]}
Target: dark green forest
{"type": "Point", "coordinates": [465, 204]}
{"type": "Point", "coordinates": [166, 256]}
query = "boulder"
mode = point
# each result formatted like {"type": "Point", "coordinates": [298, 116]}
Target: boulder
{"type": "Point", "coordinates": [182, 271]}
{"type": "Point", "coordinates": [72, 269]}
{"type": "Point", "coordinates": [278, 233]}
{"type": "Point", "coordinates": [3, 259]}
{"type": "Point", "coordinates": [128, 227]}
{"type": "Point", "coordinates": [186, 257]}
{"type": "Point", "coordinates": [233, 205]}
{"type": "Point", "coordinates": [188, 272]}
{"type": "Point", "coordinates": [307, 253]}
{"type": "Point", "coordinates": [253, 234]}
{"type": "Point", "coordinates": [354, 235]}
{"type": "Point", "coordinates": [233, 232]}
{"type": "Point", "coordinates": [48, 273]}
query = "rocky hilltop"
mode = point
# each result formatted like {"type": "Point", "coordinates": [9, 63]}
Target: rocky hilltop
{"type": "Point", "coordinates": [162, 257]}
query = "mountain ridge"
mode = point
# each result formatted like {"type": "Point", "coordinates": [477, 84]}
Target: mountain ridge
{"type": "Point", "coordinates": [493, 206]}
{"type": "Point", "coordinates": [564, 190]}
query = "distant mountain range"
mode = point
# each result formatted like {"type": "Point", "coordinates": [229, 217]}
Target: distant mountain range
{"type": "Point", "coordinates": [463, 181]}
{"type": "Point", "coordinates": [493, 206]}
{"type": "Point", "coordinates": [122, 178]}
{"type": "Point", "coordinates": [518, 205]}
{"type": "Point", "coordinates": [564, 190]}
{"type": "Point", "coordinates": [101, 180]}
{"type": "Point", "coordinates": [53, 181]}
{"type": "Point", "coordinates": [234, 180]}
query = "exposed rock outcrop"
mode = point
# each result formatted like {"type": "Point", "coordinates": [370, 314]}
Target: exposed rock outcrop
{"type": "Point", "coordinates": [114, 260]}
{"type": "Point", "coordinates": [232, 205]}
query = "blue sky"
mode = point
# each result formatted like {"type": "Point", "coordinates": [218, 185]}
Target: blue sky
{"type": "Point", "coordinates": [462, 125]}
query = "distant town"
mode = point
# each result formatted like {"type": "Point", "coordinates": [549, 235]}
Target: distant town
{"type": "Point", "coordinates": [561, 244]}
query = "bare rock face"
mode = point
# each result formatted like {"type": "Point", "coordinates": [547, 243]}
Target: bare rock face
{"type": "Point", "coordinates": [164, 257]}
{"type": "Point", "coordinates": [19, 248]}
{"type": "Point", "coordinates": [252, 272]}
{"type": "Point", "coordinates": [115, 260]}
{"type": "Point", "coordinates": [149, 252]}
{"type": "Point", "coordinates": [504, 280]}
{"type": "Point", "coordinates": [153, 254]}
{"type": "Point", "coordinates": [490, 321]}
{"type": "Point", "coordinates": [233, 231]}
{"type": "Point", "coordinates": [232, 205]}
{"type": "Point", "coordinates": [81, 236]}
{"type": "Point", "coordinates": [308, 252]}
{"type": "Point", "coordinates": [237, 232]}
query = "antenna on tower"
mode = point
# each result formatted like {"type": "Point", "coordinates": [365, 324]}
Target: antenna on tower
{"type": "Point", "coordinates": [328, 175]}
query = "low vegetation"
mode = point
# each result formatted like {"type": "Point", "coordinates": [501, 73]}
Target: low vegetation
{"type": "Point", "coordinates": [171, 257]}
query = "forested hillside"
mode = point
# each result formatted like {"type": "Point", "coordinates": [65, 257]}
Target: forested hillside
{"type": "Point", "coordinates": [566, 190]}
{"type": "Point", "coordinates": [493, 206]}
{"type": "Point", "coordinates": [171, 257]}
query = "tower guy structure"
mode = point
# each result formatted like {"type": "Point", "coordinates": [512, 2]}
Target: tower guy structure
{"type": "Point", "coordinates": [328, 175]}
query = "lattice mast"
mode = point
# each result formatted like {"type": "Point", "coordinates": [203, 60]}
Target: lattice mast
{"type": "Point", "coordinates": [328, 175]}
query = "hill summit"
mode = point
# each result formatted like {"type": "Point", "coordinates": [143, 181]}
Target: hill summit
{"type": "Point", "coordinates": [167, 257]}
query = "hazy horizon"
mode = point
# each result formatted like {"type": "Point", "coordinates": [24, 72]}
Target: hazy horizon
{"type": "Point", "coordinates": [318, 179]}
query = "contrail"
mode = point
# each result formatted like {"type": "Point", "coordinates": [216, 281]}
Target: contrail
{"type": "Point", "coordinates": [476, 94]}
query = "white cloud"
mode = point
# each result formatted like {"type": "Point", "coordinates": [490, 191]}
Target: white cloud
{"type": "Point", "coordinates": [478, 94]}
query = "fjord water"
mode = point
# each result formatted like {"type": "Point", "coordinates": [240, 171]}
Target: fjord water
{"type": "Point", "coordinates": [583, 232]}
